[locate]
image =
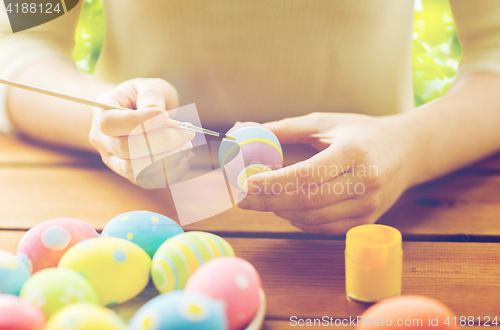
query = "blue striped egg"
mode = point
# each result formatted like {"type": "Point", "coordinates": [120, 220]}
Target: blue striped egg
{"type": "Point", "coordinates": [181, 255]}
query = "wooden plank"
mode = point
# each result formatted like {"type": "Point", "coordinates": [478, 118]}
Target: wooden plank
{"type": "Point", "coordinates": [33, 195]}
{"type": "Point", "coordinates": [305, 278]}
{"type": "Point", "coordinates": [9, 239]}
{"type": "Point", "coordinates": [15, 151]}
{"type": "Point", "coordinates": [460, 204]}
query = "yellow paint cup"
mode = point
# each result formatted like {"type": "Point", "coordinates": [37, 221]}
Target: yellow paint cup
{"type": "Point", "coordinates": [373, 263]}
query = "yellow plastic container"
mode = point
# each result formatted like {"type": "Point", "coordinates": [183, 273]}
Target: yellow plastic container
{"type": "Point", "coordinates": [373, 263]}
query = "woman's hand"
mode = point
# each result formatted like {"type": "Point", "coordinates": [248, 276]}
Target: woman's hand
{"type": "Point", "coordinates": [364, 165]}
{"type": "Point", "coordinates": [121, 141]}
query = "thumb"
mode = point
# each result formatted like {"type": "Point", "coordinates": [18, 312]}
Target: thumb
{"type": "Point", "coordinates": [154, 93]}
{"type": "Point", "coordinates": [294, 130]}
{"type": "Point", "coordinates": [150, 98]}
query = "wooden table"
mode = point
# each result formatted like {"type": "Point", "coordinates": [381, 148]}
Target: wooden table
{"type": "Point", "coordinates": [451, 230]}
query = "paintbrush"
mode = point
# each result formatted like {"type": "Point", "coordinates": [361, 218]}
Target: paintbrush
{"type": "Point", "coordinates": [171, 122]}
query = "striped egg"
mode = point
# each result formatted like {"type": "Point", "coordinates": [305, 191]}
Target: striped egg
{"type": "Point", "coordinates": [255, 150]}
{"type": "Point", "coordinates": [181, 255]}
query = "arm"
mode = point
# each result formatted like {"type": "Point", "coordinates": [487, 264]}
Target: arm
{"type": "Point", "coordinates": [42, 56]}
{"type": "Point", "coordinates": [49, 119]}
{"type": "Point", "coordinates": [366, 163]}
{"type": "Point", "coordinates": [457, 129]}
{"type": "Point", "coordinates": [405, 150]}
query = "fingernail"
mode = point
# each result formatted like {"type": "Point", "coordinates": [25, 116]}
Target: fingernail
{"type": "Point", "coordinates": [161, 119]}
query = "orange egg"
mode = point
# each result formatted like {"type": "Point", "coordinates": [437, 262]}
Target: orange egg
{"type": "Point", "coordinates": [408, 312]}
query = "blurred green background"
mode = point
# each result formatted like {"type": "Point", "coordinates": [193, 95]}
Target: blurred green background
{"type": "Point", "coordinates": [435, 48]}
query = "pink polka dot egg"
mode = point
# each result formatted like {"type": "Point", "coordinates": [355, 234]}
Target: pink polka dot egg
{"type": "Point", "coordinates": [17, 314]}
{"type": "Point", "coordinates": [234, 282]}
{"type": "Point", "coordinates": [46, 243]}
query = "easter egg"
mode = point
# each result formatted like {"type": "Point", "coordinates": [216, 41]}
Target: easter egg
{"type": "Point", "coordinates": [147, 229]}
{"type": "Point", "coordinates": [13, 273]}
{"type": "Point", "coordinates": [45, 243]}
{"type": "Point", "coordinates": [17, 314]}
{"type": "Point", "coordinates": [255, 150]}
{"type": "Point", "coordinates": [84, 316]}
{"type": "Point", "coordinates": [180, 310]}
{"type": "Point", "coordinates": [409, 310]}
{"type": "Point", "coordinates": [52, 289]}
{"type": "Point", "coordinates": [117, 269]}
{"type": "Point", "coordinates": [232, 280]}
{"type": "Point", "coordinates": [181, 255]}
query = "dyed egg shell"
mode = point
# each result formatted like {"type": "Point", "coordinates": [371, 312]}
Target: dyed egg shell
{"type": "Point", "coordinates": [17, 314]}
{"type": "Point", "coordinates": [147, 229]}
{"type": "Point", "coordinates": [180, 311]}
{"type": "Point", "coordinates": [232, 280]}
{"type": "Point", "coordinates": [13, 273]}
{"type": "Point", "coordinates": [46, 243]}
{"type": "Point", "coordinates": [84, 316]}
{"type": "Point", "coordinates": [117, 269]}
{"type": "Point", "coordinates": [259, 148]}
{"type": "Point", "coordinates": [52, 289]}
{"type": "Point", "coordinates": [181, 255]}
{"type": "Point", "coordinates": [407, 308]}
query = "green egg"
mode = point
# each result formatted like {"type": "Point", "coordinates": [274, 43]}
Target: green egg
{"type": "Point", "coordinates": [52, 289]}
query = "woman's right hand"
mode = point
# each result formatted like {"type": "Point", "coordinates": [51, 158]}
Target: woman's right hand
{"type": "Point", "coordinates": [118, 137]}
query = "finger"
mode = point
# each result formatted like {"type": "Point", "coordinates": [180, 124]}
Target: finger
{"type": "Point", "coordinates": [168, 138]}
{"type": "Point", "coordinates": [171, 158]}
{"type": "Point", "coordinates": [124, 122]}
{"type": "Point", "coordinates": [156, 93]}
{"type": "Point", "coordinates": [162, 142]}
{"type": "Point", "coordinates": [322, 167]}
{"type": "Point", "coordinates": [350, 208]}
{"type": "Point", "coordinates": [340, 227]}
{"type": "Point", "coordinates": [135, 146]}
{"type": "Point", "coordinates": [120, 166]}
{"type": "Point", "coordinates": [294, 130]}
{"type": "Point", "coordinates": [152, 178]}
{"type": "Point", "coordinates": [123, 95]}
{"type": "Point", "coordinates": [167, 175]}
{"type": "Point", "coordinates": [279, 198]}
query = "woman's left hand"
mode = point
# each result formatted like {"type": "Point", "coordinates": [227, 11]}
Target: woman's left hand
{"type": "Point", "coordinates": [365, 163]}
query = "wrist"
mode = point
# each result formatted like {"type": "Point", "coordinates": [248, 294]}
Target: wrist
{"type": "Point", "coordinates": [413, 159]}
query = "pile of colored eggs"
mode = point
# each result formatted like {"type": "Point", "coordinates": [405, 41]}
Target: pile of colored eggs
{"type": "Point", "coordinates": [66, 276]}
